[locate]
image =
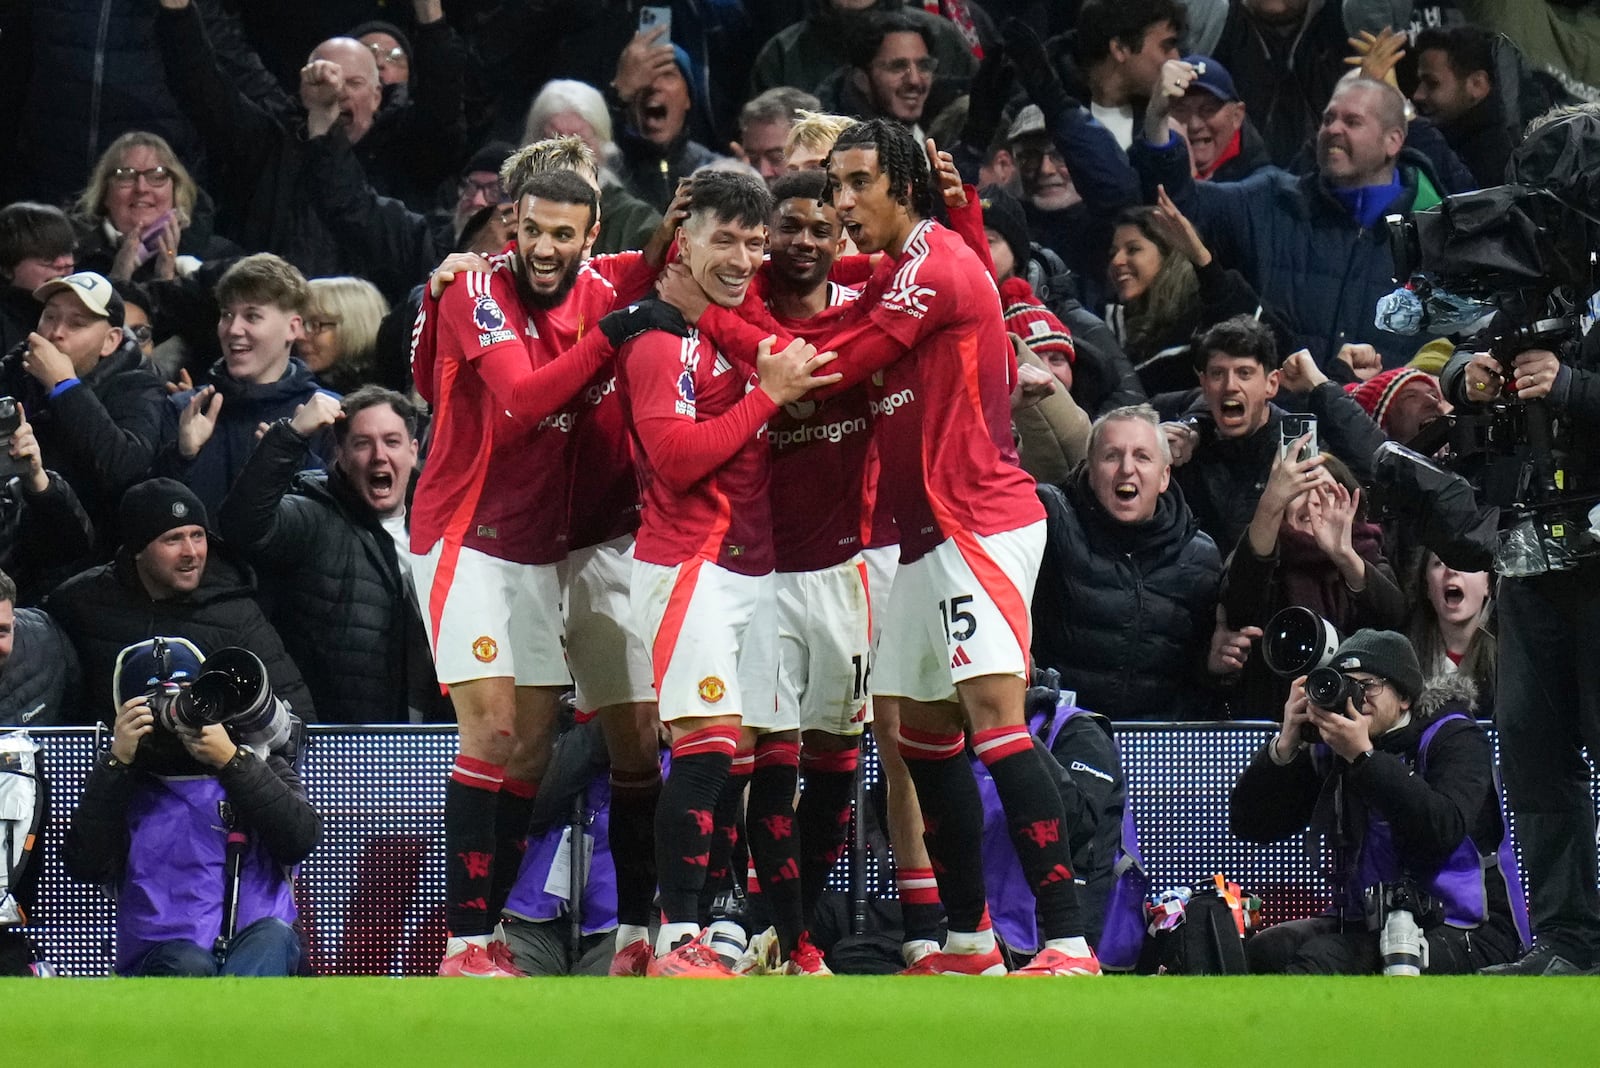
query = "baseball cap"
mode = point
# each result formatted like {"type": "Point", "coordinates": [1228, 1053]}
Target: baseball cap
{"type": "Point", "coordinates": [1030, 120]}
{"type": "Point", "coordinates": [1215, 79]}
{"type": "Point", "coordinates": [92, 290]}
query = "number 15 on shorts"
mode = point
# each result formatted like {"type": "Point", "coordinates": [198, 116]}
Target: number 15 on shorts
{"type": "Point", "coordinates": [959, 623]}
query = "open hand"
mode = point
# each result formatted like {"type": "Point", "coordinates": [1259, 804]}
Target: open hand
{"type": "Point", "coordinates": [677, 287]}
{"type": "Point", "coordinates": [454, 264]}
{"type": "Point", "coordinates": [198, 421]}
{"type": "Point", "coordinates": [1175, 226]}
{"type": "Point", "coordinates": [791, 373]}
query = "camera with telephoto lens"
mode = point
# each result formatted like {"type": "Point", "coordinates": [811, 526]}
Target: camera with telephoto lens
{"type": "Point", "coordinates": [1300, 642]}
{"type": "Point", "coordinates": [230, 689]}
{"type": "Point", "coordinates": [1397, 912]}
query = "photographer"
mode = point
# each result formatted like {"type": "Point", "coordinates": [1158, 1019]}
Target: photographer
{"type": "Point", "coordinates": [148, 826]}
{"type": "Point", "coordinates": [1548, 700]}
{"type": "Point", "coordinates": [1402, 783]}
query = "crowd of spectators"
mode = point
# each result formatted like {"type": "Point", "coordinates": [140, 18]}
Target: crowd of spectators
{"type": "Point", "coordinates": [219, 218]}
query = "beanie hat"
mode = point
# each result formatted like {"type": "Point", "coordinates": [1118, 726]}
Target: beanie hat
{"type": "Point", "coordinates": [491, 157]}
{"type": "Point", "coordinates": [379, 26]}
{"type": "Point", "coordinates": [1035, 324]}
{"type": "Point", "coordinates": [1003, 214]}
{"type": "Point", "coordinates": [1378, 392]}
{"type": "Point", "coordinates": [153, 507]}
{"type": "Point", "coordinates": [1383, 653]}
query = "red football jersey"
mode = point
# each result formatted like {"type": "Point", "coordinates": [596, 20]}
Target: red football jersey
{"type": "Point", "coordinates": [603, 488]}
{"type": "Point", "coordinates": [496, 479]}
{"type": "Point", "coordinates": [928, 331]}
{"type": "Point", "coordinates": [819, 467]}
{"type": "Point", "coordinates": [700, 425]}
{"type": "Point", "coordinates": [489, 478]}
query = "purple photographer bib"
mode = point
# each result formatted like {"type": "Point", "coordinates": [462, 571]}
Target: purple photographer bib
{"type": "Point", "coordinates": [173, 886]}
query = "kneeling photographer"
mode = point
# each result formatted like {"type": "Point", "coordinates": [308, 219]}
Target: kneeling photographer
{"type": "Point", "coordinates": [195, 816]}
{"type": "Point", "coordinates": [1399, 779]}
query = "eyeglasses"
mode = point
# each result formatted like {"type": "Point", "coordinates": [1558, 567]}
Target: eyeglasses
{"type": "Point", "coordinates": [141, 333]}
{"type": "Point", "coordinates": [153, 176]}
{"type": "Point", "coordinates": [1370, 687]}
{"type": "Point", "coordinates": [387, 56]}
{"type": "Point", "coordinates": [490, 189]}
{"type": "Point", "coordinates": [318, 326]}
{"type": "Point", "coordinates": [902, 66]}
{"type": "Point", "coordinates": [1030, 157]}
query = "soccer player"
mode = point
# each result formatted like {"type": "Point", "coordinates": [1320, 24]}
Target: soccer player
{"type": "Point", "coordinates": [499, 362]}
{"type": "Point", "coordinates": [823, 496]}
{"type": "Point", "coordinates": [955, 636]}
{"type": "Point", "coordinates": [703, 594]}
{"type": "Point", "coordinates": [610, 664]}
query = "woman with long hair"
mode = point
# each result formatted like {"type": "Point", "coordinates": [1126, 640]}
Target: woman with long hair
{"type": "Point", "coordinates": [1168, 287]}
{"type": "Point", "coordinates": [1449, 626]}
{"type": "Point", "coordinates": [137, 216]}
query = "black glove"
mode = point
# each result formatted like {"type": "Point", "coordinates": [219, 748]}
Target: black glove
{"type": "Point", "coordinates": [1035, 72]}
{"type": "Point", "coordinates": [986, 100]}
{"type": "Point", "coordinates": [641, 317]}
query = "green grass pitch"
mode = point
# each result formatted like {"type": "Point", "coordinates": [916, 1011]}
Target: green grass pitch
{"type": "Point", "coordinates": [1161, 1022]}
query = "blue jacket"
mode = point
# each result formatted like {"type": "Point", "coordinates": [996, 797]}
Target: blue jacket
{"type": "Point", "coordinates": [1296, 244]}
{"type": "Point", "coordinates": [245, 406]}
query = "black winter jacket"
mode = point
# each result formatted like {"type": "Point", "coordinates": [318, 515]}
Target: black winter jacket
{"type": "Point", "coordinates": [106, 609]}
{"type": "Point", "coordinates": [44, 537]}
{"type": "Point", "coordinates": [1125, 611]}
{"type": "Point", "coordinates": [342, 604]}
{"type": "Point", "coordinates": [380, 238]}
{"type": "Point", "coordinates": [1252, 157]}
{"type": "Point", "coordinates": [83, 72]}
{"type": "Point", "coordinates": [651, 171]}
{"type": "Point", "coordinates": [1284, 80]}
{"type": "Point", "coordinates": [19, 316]}
{"type": "Point", "coordinates": [40, 684]}
{"type": "Point", "coordinates": [1481, 141]}
{"type": "Point", "coordinates": [1429, 814]}
{"type": "Point", "coordinates": [1224, 478]}
{"type": "Point", "coordinates": [261, 178]}
{"type": "Point", "coordinates": [101, 434]}
{"type": "Point", "coordinates": [245, 405]}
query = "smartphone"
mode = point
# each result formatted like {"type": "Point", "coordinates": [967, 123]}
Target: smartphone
{"type": "Point", "coordinates": [150, 237]}
{"type": "Point", "coordinates": [651, 17]}
{"type": "Point", "coordinates": [1297, 426]}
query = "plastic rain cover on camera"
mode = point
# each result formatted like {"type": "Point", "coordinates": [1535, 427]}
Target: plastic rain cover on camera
{"type": "Point", "coordinates": [19, 812]}
{"type": "Point", "coordinates": [1522, 551]}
